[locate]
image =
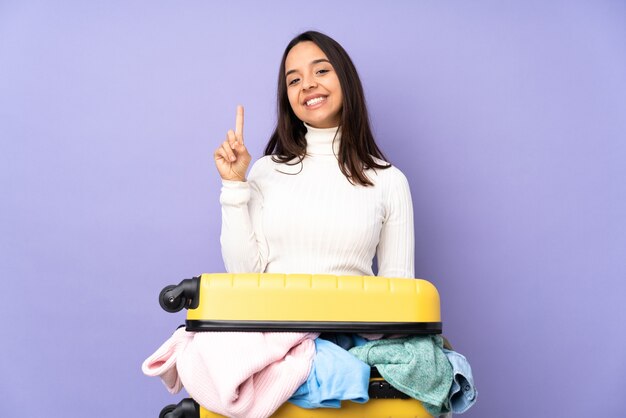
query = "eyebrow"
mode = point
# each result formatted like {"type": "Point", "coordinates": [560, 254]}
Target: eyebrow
{"type": "Point", "coordinates": [312, 63]}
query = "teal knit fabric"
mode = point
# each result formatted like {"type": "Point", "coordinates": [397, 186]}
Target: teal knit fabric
{"type": "Point", "coordinates": [416, 366]}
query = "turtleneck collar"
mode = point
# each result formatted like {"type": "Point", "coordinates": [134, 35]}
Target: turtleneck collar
{"type": "Point", "coordinates": [320, 140]}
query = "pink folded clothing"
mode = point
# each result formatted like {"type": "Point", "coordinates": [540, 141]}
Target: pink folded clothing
{"type": "Point", "coordinates": [236, 374]}
{"type": "Point", "coordinates": [163, 362]}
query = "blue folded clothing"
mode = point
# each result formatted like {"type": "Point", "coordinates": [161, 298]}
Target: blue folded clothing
{"type": "Point", "coordinates": [463, 393]}
{"type": "Point", "coordinates": [336, 375]}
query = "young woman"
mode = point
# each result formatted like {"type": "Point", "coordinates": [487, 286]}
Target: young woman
{"type": "Point", "coordinates": [322, 200]}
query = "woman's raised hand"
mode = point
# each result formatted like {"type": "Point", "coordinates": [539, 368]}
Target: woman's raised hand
{"type": "Point", "coordinates": [232, 158]}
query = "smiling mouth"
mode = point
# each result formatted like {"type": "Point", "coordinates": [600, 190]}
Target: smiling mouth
{"type": "Point", "coordinates": [315, 101]}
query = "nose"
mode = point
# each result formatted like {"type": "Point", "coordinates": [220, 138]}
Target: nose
{"type": "Point", "coordinates": [309, 83]}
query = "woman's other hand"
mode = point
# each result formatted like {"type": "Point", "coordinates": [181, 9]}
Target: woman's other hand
{"type": "Point", "coordinates": [231, 157]}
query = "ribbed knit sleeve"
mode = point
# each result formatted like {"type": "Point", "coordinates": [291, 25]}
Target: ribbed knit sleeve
{"type": "Point", "coordinates": [244, 249]}
{"type": "Point", "coordinates": [395, 252]}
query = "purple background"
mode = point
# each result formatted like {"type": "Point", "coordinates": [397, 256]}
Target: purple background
{"type": "Point", "coordinates": [508, 119]}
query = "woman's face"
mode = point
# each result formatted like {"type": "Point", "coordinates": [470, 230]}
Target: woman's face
{"type": "Point", "coordinates": [312, 86]}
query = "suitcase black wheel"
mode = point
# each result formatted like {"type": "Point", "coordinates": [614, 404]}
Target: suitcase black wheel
{"type": "Point", "coordinates": [187, 408]}
{"type": "Point", "coordinates": [174, 298]}
{"type": "Point", "coordinates": [165, 412]}
{"type": "Point", "coordinates": [170, 303]}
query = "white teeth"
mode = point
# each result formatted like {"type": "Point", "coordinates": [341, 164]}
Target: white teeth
{"type": "Point", "coordinates": [315, 101]}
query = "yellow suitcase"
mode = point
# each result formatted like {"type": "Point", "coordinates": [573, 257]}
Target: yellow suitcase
{"type": "Point", "coordinates": [379, 408]}
{"type": "Point", "coordinates": [265, 302]}
{"type": "Point", "coordinates": [300, 302]}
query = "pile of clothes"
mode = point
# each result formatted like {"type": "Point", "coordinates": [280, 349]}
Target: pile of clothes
{"type": "Point", "coordinates": [251, 374]}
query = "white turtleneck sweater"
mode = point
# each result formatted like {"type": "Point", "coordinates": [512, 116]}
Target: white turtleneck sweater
{"type": "Point", "coordinates": [314, 221]}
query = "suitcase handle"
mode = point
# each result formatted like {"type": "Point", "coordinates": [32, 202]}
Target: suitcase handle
{"type": "Point", "coordinates": [381, 389]}
{"type": "Point", "coordinates": [174, 298]}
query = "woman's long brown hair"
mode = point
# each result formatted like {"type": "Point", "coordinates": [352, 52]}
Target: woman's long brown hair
{"type": "Point", "coordinates": [357, 148]}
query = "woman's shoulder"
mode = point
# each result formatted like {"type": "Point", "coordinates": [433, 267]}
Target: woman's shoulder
{"type": "Point", "coordinates": [262, 166]}
{"type": "Point", "coordinates": [268, 166]}
{"type": "Point", "coordinates": [391, 176]}
{"type": "Point", "coordinates": [392, 184]}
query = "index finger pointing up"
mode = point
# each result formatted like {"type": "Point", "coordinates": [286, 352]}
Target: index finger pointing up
{"type": "Point", "coordinates": [239, 124]}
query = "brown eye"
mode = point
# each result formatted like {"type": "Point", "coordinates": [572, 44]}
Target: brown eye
{"type": "Point", "coordinates": [292, 82]}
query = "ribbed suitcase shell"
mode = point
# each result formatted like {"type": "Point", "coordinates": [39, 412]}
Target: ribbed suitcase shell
{"type": "Point", "coordinates": [266, 302]}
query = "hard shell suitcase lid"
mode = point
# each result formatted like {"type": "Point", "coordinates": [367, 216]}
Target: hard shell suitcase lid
{"type": "Point", "coordinates": [298, 302]}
